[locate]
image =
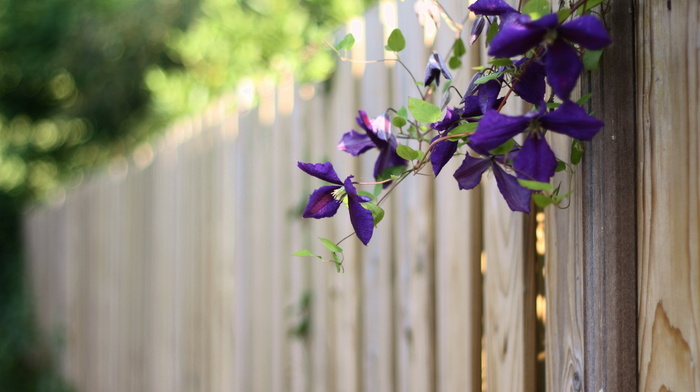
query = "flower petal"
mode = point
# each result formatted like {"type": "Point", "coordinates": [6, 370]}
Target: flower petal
{"type": "Point", "coordinates": [488, 93]}
{"type": "Point", "coordinates": [531, 86]}
{"type": "Point", "coordinates": [535, 161]}
{"type": "Point", "coordinates": [570, 119]}
{"type": "Point", "coordinates": [517, 196]}
{"type": "Point", "coordinates": [491, 7]}
{"type": "Point", "coordinates": [451, 120]}
{"type": "Point", "coordinates": [323, 171]}
{"type": "Point", "coordinates": [435, 67]}
{"type": "Point", "coordinates": [563, 68]}
{"type": "Point", "coordinates": [442, 153]}
{"type": "Point", "coordinates": [495, 129]}
{"type": "Point", "coordinates": [517, 37]}
{"type": "Point", "coordinates": [355, 143]}
{"type": "Point", "coordinates": [468, 175]}
{"type": "Point", "coordinates": [586, 31]}
{"type": "Point", "coordinates": [360, 217]}
{"type": "Point", "coordinates": [387, 158]}
{"type": "Point", "coordinates": [321, 203]}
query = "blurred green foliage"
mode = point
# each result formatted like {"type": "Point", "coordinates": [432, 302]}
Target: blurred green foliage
{"type": "Point", "coordinates": [84, 80]}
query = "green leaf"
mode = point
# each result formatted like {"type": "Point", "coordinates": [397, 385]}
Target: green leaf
{"type": "Point", "coordinates": [330, 245]}
{"type": "Point", "coordinates": [377, 212]}
{"type": "Point", "coordinates": [398, 122]}
{"type": "Point", "coordinates": [536, 8]}
{"type": "Point", "coordinates": [346, 43]}
{"type": "Point", "coordinates": [591, 59]}
{"type": "Point", "coordinates": [402, 112]}
{"type": "Point", "coordinates": [491, 76]}
{"type": "Point", "coordinates": [338, 263]}
{"type": "Point", "coordinates": [459, 48]}
{"type": "Point", "coordinates": [542, 200]}
{"type": "Point", "coordinates": [467, 127]}
{"type": "Point", "coordinates": [504, 148]}
{"type": "Point", "coordinates": [396, 41]}
{"type": "Point", "coordinates": [561, 166]}
{"type": "Point", "coordinates": [585, 98]}
{"type": "Point", "coordinates": [589, 4]}
{"type": "Point", "coordinates": [304, 253]}
{"type": "Point", "coordinates": [576, 151]}
{"type": "Point", "coordinates": [454, 62]}
{"type": "Point", "coordinates": [493, 29]}
{"type": "Point", "coordinates": [553, 105]}
{"type": "Point", "coordinates": [424, 111]}
{"type": "Point", "coordinates": [407, 152]}
{"type": "Point", "coordinates": [563, 13]}
{"type": "Point", "coordinates": [501, 61]}
{"type": "Point", "coordinates": [536, 185]}
{"type": "Point", "coordinates": [391, 172]}
{"type": "Point", "coordinates": [365, 193]}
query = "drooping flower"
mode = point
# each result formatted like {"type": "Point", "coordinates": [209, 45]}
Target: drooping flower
{"type": "Point", "coordinates": [468, 176]}
{"type": "Point", "coordinates": [324, 201]}
{"type": "Point", "coordinates": [535, 161]}
{"type": "Point", "coordinates": [377, 134]}
{"type": "Point", "coordinates": [485, 98]}
{"type": "Point", "coordinates": [436, 67]}
{"type": "Point", "coordinates": [561, 59]}
{"type": "Point", "coordinates": [530, 85]}
{"type": "Point", "coordinates": [491, 8]}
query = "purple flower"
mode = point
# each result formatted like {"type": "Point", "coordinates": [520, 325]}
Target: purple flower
{"type": "Point", "coordinates": [377, 134]}
{"type": "Point", "coordinates": [491, 8]}
{"type": "Point", "coordinates": [444, 150]}
{"type": "Point", "coordinates": [469, 175]}
{"type": "Point", "coordinates": [561, 59]}
{"type": "Point", "coordinates": [435, 67]}
{"type": "Point", "coordinates": [535, 161]}
{"type": "Point", "coordinates": [530, 84]}
{"type": "Point", "coordinates": [324, 201]}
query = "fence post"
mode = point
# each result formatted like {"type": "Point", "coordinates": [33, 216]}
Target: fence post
{"type": "Point", "coordinates": [609, 215]}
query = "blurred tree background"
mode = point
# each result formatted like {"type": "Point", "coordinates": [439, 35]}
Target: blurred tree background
{"type": "Point", "coordinates": [82, 81]}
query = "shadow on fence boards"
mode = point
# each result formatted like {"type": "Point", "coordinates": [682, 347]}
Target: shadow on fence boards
{"type": "Point", "coordinates": [172, 270]}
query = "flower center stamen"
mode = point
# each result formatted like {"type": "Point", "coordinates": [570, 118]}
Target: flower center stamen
{"type": "Point", "coordinates": [340, 193]}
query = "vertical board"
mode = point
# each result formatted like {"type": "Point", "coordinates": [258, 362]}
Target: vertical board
{"type": "Point", "coordinates": [564, 284]}
{"type": "Point", "coordinates": [608, 214]}
{"type": "Point", "coordinates": [376, 258]}
{"type": "Point", "coordinates": [458, 245]}
{"type": "Point", "coordinates": [414, 242]}
{"type": "Point", "coordinates": [668, 221]}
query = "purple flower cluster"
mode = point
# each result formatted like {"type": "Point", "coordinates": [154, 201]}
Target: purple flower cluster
{"type": "Point", "coordinates": [530, 54]}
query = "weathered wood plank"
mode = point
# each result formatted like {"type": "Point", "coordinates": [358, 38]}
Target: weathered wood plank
{"type": "Point", "coordinates": [608, 215]}
{"type": "Point", "coordinates": [564, 285]}
{"type": "Point", "coordinates": [668, 203]}
{"type": "Point", "coordinates": [414, 290]}
{"type": "Point", "coordinates": [376, 258]}
{"type": "Point", "coordinates": [458, 246]}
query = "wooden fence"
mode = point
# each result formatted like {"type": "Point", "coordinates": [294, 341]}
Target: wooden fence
{"type": "Point", "coordinates": [171, 270]}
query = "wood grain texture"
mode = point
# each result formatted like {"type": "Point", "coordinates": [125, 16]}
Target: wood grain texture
{"type": "Point", "coordinates": [377, 298]}
{"type": "Point", "coordinates": [458, 246]}
{"type": "Point", "coordinates": [609, 214]}
{"type": "Point", "coordinates": [668, 54]}
{"type": "Point", "coordinates": [564, 285]}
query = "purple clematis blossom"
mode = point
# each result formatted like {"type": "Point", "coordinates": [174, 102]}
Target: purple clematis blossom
{"type": "Point", "coordinates": [324, 201]}
{"type": "Point", "coordinates": [444, 150]}
{"type": "Point", "coordinates": [377, 134]}
{"type": "Point", "coordinates": [436, 67]}
{"type": "Point", "coordinates": [535, 161]}
{"type": "Point", "coordinates": [561, 59]}
{"type": "Point", "coordinates": [468, 176]}
{"type": "Point", "coordinates": [491, 8]}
